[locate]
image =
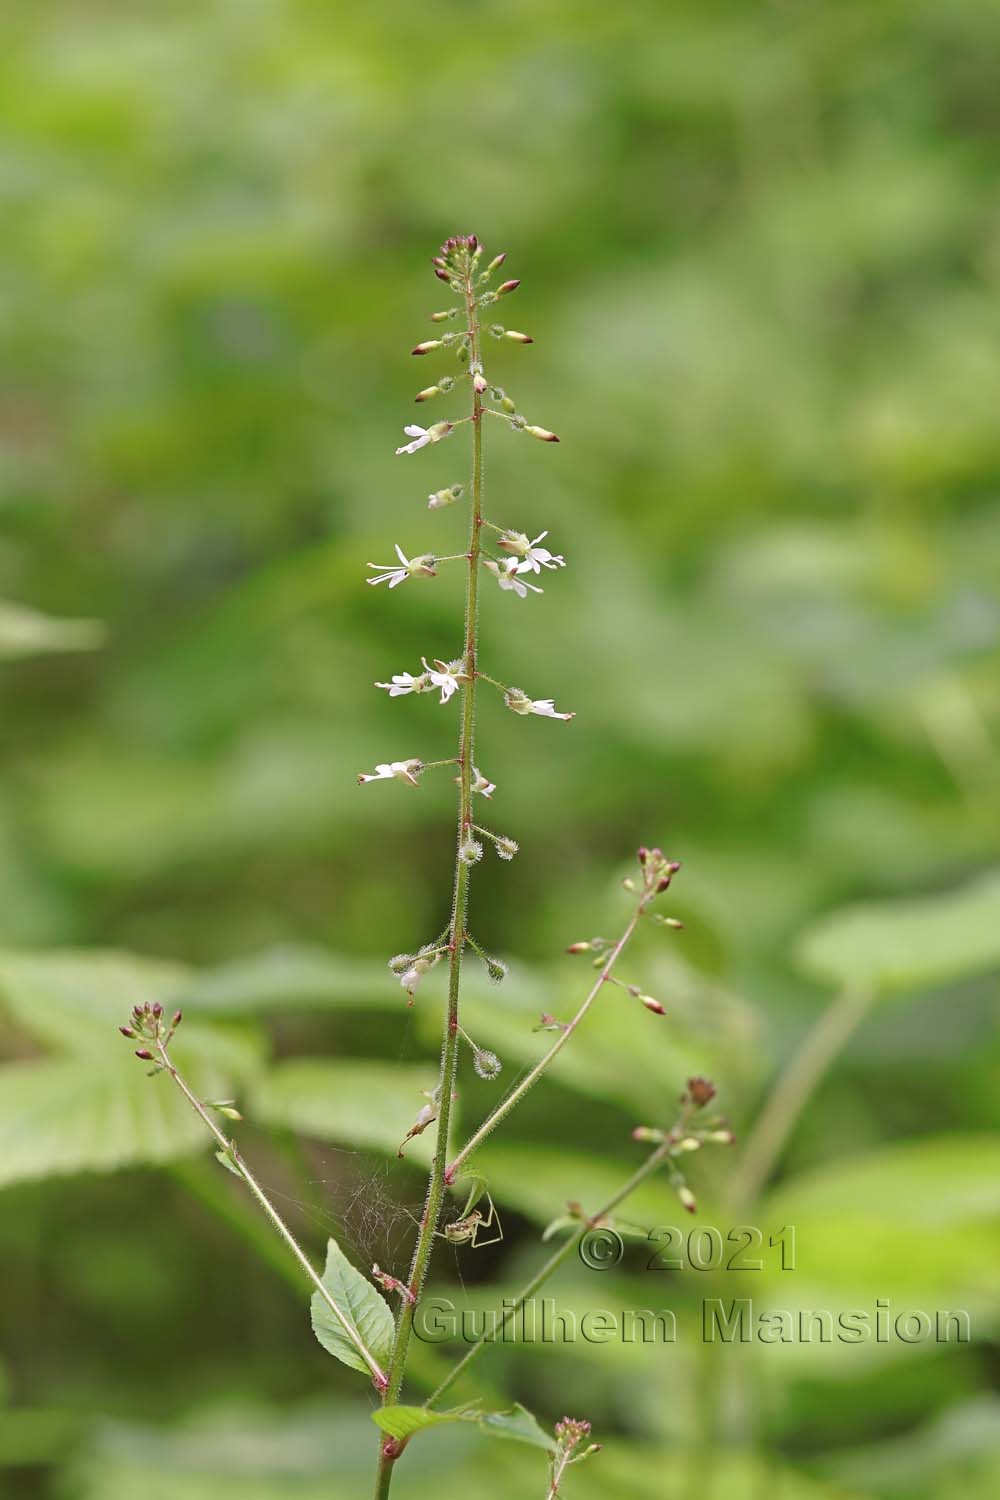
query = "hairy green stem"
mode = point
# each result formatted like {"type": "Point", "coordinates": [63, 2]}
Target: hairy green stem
{"type": "Point", "coordinates": [517, 1094]}
{"type": "Point", "coordinates": [231, 1151]}
{"type": "Point", "coordinates": [437, 1181]}
{"type": "Point", "coordinates": [553, 1263]}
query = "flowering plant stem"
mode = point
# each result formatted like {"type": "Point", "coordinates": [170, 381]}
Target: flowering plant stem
{"type": "Point", "coordinates": [438, 1179]}
{"type": "Point", "coordinates": [231, 1152]}
{"type": "Point", "coordinates": [512, 1308]}
{"type": "Point", "coordinates": [517, 1094]}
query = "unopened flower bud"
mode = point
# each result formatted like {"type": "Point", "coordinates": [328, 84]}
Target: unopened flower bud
{"type": "Point", "coordinates": [178, 1017]}
{"type": "Point", "coordinates": [506, 287]}
{"type": "Point", "coordinates": [427, 346]}
{"type": "Point", "coordinates": [442, 317]}
{"type": "Point", "coordinates": [688, 1199]}
{"type": "Point", "coordinates": [507, 847]}
{"type": "Point", "coordinates": [721, 1137]}
{"type": "Point", "coordinates": [127, 1031]}
{"type": "Point", "coordinates": [516, 337]}
{"type": "Point", "coordinates": [229, 1111]}
{"type": "Point", "coordinates": [496, 262]}
{"type": "Point", "coordinates": [578, 948]}
{"type": "Point", "coordinates": [442, 275]}
{"type": "Point", "coordinates": [144, 1054]}
{"type": "Point", "coordinates": [427, 393]}
{"type": "Point", "coordinates": [647, 1133]}
{"type": "Point", "coordinates": [542, 433]}
{"type": "Point", "coordinates": [507, 404]}
{"type": "Point", "coordinates": [157, 1010]}
{"type": "Point", "coordinates": [479, 382]}
{"type": "Point", "coordinates": [701, 1091]}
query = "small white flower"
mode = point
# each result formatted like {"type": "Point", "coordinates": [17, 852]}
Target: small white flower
{"type": "Point", "coordinates": [520, 703]}
{"type": "Point", "coordinates": [506, 576]}
{"type": "Point", "coordinates": [423, 435]}
{"type": "Point", "coordinates": [479, 783]}
{"type": "Point", "coordinates": [440, 498]}
{"type": "Point", "coordinates": [547, 709]}
{"type": "Point", "coordinates": [416, 567]}
{"type": "Point", "coordinates": [411, 978]}
{"type": "Point", "coordinates": [533, 558]}
{"type": "Point", "coordinates": [405, 682]}
{"type": "Point", "coordinates": [401, 770]}
{"type": "Point", "coordinates": [444, 677]}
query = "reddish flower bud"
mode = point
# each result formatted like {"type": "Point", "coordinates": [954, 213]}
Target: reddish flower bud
{"type": "Point", "coordinates": [178, 1018]}
{"type": "Point", "coordinates": [506, 287]}
{"type": "Point", "coordinates": [127, 1031]}
{"type": "Point", "coordinates": [701, 1091]}
{"type": "Point", "coordinates": [144, 1054]}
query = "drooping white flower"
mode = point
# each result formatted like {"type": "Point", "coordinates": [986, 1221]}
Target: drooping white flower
{"type": "Point", "coordinates": [405, 682]}
{"type": "Point", "coordinates": [520, 703]}
{"type": "Point", "coordinates": [415, 567]}
{"type": "Point", "coordinates": [480, 783]}
{"type": "Point", "coordinates": [421, 436]}
{"type": "Point", "coordinates": [532, 558]}
{"type": "Point", "coordinates": [506, 576]}
{"type": "Point", "coordinates": [401, 770]}
{"type": "Point", "coordinates": [444, 676]}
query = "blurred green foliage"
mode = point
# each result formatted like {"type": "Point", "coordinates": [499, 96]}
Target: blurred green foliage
{"type": "Point", "coordinates": [761, 256]}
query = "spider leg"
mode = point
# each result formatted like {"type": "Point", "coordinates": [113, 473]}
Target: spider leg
{"type": "Point", "coordinates": [491, 1221]}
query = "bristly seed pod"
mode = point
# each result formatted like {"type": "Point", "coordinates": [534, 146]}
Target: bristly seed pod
{"type": "Point", "coordinates": [486, 1063]}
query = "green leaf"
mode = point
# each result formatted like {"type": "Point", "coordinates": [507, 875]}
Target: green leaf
{"type": "Point", "coordinates": [74, 1000]}
{"type": "Point", "coordinates": [24, 632]}
{"type": "Point", "coordinates": [899, 946]}
{"type": "Point", "coordinates": [364, 1307]}
{"type": "Point", "coordinates": [289, 978]}
{"type": "Point", "coordinates": [928, 1208]}
{"type": "Point", "coordinates": [363, 1103]}
{"type": "Point", "coordinates": [403, 1421]}
{"type": "Point", "coordinates": [96, 1114]}
{"type": "Point", "coordinates": [517, 1425]}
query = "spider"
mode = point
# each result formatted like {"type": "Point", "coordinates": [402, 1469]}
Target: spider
{"type": "Point", "coordinates": [472, 1222]}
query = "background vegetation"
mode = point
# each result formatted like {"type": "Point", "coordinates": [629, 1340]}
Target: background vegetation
{"type": "Point", "coordinates": [761, 251]}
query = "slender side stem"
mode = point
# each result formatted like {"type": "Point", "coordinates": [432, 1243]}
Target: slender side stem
{"type": "Point", "coordinates": [232, 1154]}
{"type": "Point", "coordinates": [449, 1050]}
{"type": "Point", "coordinates": [516, 1095]}
{"type": "Point", "coordinates": [791, 1092]}
{"type": "Point", "coordinates": [654, 1160]}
